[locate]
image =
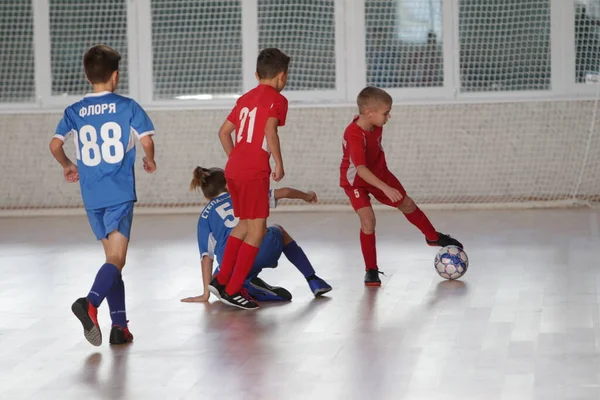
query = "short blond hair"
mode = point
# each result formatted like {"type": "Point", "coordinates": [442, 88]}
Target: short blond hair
{"type": "Point", "coordinates": [371, 95]}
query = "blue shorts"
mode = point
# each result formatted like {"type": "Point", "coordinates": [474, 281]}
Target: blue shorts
{"type": "Point", "coordinates": [105, 220]}
{"type": "Point", "coordinates": [269, 252]}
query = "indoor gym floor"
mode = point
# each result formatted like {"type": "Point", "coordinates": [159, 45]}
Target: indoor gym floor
{"type": "Point", "coordinates": [523, 323]}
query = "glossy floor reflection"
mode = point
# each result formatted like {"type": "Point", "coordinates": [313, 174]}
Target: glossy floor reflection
{"type": "Point", "coordinates": [523, 323]}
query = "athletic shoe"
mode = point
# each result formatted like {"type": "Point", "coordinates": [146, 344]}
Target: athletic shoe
{"type": "Point", "coordinates": [88, 316]}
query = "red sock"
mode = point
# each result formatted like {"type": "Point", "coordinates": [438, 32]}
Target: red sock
{"type": "Point", "coordinates": [230, 254]}
{"type": "Point", "coordinates": [367, 244]}
{"type": "Point", "coordinates": [243, 265]}
{"type": "Point", "coordinates": [420, 220]}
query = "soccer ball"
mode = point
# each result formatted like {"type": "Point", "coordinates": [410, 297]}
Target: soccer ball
{"type": "Point", "coordinates": [451, 262]}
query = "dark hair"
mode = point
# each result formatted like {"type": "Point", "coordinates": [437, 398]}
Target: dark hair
{"type": "Point", "coordinates": [211, 181]}
{"type": "Point", "coordinates": [99, 63]}
{"type": "Point", "coordinates": [370, 95]}
{"type": "Point", "coordinates": [271, 62]}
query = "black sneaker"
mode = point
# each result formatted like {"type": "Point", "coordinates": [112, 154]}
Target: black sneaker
{"type": "Point", "coordinates": [444, 240]}
{"type": "Point", "coordinates": [216, 288]}
{"type": "Point", "coordinates": [88, 316]}
{"type": "Point", "coordinates": [240, 299]}
{"type": "Point", "coordinates": [318, 286]}
{"type": "Point", "coordinates": [372, 277]}
{"type": "Point", "coordinates": [120, 335]}
{"type": "Point", "coordinates": [262, 291]}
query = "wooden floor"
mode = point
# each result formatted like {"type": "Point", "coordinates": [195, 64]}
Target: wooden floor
{"type": "Point", "coordinates": [523, 323]}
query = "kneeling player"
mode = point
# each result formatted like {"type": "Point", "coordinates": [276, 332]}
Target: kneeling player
{"type": "Point", "coordinates": [215, 225]}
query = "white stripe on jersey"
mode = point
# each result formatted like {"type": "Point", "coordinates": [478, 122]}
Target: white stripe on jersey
{"type": "Point", "coordinates": [141, 135]}
{"type": "Point", "coordinates": [63, 138]}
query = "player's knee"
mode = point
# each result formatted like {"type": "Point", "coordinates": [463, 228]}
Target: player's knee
{"type": "Point", "coordinates": [367, 224]}
{"type": "Point", "coordinates": [116, 260]}
{"type": "Point", "coordinates": [277, 226]}
{"type": "Point", "coordinates": [407, 205]}
{"type": "Point", "coordinates": [287, 239]}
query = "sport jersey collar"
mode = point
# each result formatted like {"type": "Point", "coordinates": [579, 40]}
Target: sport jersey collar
{"type": "Point", "coordinates": [267, 86]}
{"type": "Point", "coordinates": [98, 94]}
{"type": "Point", "coordinates": [361, 129]}
{"type": "Point", "coordinates": [222, 195]}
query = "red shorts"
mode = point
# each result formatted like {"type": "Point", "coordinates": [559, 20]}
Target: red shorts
{"type": "Point", "coordinates": [250, 198]}
{"type": "Point", "coordinates": [359, 197]}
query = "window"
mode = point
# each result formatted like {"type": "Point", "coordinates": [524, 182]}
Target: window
{"type": "Point", "coordinates": [197, 49]}
{"type": "Point", "coordinates": [404, 43]}
{"type": "Point", "coordinates": [305, 31]}
{"type": "Point", "coordinates": [77, 25]}
{"type": "Point", "coordinates": [587, 39]}
{"type": "Point", "coordinates": [504, 45]}
{"type": "Point", "coordinates": [17, 79]}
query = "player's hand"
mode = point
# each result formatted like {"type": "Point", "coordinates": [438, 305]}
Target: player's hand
{"type": "Point", "coordinates": [392, 194]}
{"type": "Point", "coordinates": [149, 166]}
{"type": "Point", "coordinates": [278, 173]}
{"type": "Point", "coordinates": [71, 173]}
{"type": "Point", "coordinates": [311, 197]}
{"type": "Point", "coordinates": [197, 299]}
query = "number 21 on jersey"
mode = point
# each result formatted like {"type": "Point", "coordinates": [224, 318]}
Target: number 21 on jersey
{"type": "Point", "coordinates": [91, 154]}
{"type": "Point", "coordinates": [246, 114]}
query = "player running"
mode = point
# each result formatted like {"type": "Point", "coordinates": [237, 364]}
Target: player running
{"type": "Point", "coordinates": [104, 126]}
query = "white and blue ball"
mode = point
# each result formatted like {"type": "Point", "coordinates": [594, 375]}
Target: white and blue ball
{"type": "Point", "coordinates": [451, 262]}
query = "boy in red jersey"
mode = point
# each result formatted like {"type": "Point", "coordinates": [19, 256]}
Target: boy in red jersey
{"type": "Point", "coordinates": [364, 172]}
{"type": "Point", "coordinates": [255, 119]}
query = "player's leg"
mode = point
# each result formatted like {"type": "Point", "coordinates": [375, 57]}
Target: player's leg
{"type": "Point", "coordinates": [418, 218]}
{"type": "Point", "coordinates": [368, 245]}
{"type": "Point", "coordinates": [247, 255]}
{"type": "Point", "coordinates": [115, 247]}
{"type": "Point", "coordinates": [234, 243]}
{"type": "Point", "coordinates": [269, 252]}
{"type": "Point", "coordinates": [361, 203]}
{"type": "Point", "coordinates": [254, 209]}
{"type": "Point", "coordinates": [298, 258]}
{"type": "Point", "coordinates": [230, 255]}
{"type": "Point", "coordinates": [414, 214]}
{"type": "Point", "coordinates": [115, 244]}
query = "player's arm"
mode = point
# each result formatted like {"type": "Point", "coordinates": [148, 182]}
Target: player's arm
{"type": "Point", "coordinates": [69, 169]}
{"type": "Point", "coordinates": [273, 143]}
{"type": "Point", "coordinates": [358, 158]}
{"type": "Point", "coordinates": [225, 136]}
{"type": "Point", "coordinates": [148, 145]}
{"type": "Point", "coordinates": [207, 266]}
{"type": "Point", "coordinates": [291, 193]}
{"type": "Point", "coordinates": [63, 130]}
{"type": "Point", "coordinates": [144, 130]}
{"type": "Point", "coordinates": [206, 246]}
{"type": "Point", "coordinates": [57, 150]}
{"type": "Point", "coordinates": [368, 176]}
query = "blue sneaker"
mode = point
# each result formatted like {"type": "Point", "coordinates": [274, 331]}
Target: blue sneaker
{"type": "Point", "coordinates": [318, 286]}
{"type": "Point", "coordinates": [262, 291]}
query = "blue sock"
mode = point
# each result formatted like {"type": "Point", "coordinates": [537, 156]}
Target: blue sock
{"type": "Point", "coordinates": [294, 253]}
{"type": "Point", "coordinates": [116, 303]}
{"type": "Point", "coordinates": [106, 277]}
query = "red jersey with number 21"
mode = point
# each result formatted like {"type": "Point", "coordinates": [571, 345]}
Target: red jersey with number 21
{"type": "Point", "coordinates": [249, 158]}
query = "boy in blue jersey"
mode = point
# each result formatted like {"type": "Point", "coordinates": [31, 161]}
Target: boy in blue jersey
{"type": "Point", "coordinates": [216, 223]}
{"type": "Point", "coordinates": [104, 125]}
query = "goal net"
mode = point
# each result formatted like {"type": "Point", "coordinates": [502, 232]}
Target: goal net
{"type": "Point", "coordinates": [520, 152]}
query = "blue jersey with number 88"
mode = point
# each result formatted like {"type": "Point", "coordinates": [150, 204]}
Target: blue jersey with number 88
{"type": "Point", "coordinates": [104, 126]}
{"type": "Point", "coordinates": [215, 225]}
